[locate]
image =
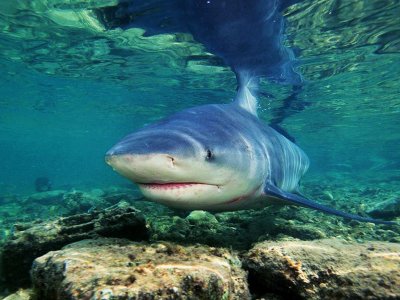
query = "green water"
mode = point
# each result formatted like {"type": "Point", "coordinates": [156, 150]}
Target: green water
{"type": "Point", "coordinates": [69, 89]}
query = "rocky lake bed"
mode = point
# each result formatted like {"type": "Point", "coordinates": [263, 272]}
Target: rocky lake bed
{"type": "Point", "coordinates": [111, 244]}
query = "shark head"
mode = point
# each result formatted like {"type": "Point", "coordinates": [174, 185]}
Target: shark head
{"type": "Point", "coordinates": [195, 159]}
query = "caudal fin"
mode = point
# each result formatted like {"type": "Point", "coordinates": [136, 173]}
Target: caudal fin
{"type": "Point", "coordinates": [273, 191]}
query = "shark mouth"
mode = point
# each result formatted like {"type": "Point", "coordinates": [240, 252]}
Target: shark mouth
{"type": "Point", "coordinates": [172, 185]}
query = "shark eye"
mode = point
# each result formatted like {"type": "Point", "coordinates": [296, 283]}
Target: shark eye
{"type": "Point", "coordinates": [209, 155]}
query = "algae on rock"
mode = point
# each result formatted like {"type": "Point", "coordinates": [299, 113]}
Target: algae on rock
{"type": "Point", "coordinates": [33, 240]}
{"type": "Point", "coordinates": [325, 269]}
{"type": "Point", "coordinates": [120, 269]}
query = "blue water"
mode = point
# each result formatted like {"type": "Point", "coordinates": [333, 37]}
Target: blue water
{"type": "Point", "coordinates": [69, 89]}
{"type": "Point", "coordinates": [76, 76]}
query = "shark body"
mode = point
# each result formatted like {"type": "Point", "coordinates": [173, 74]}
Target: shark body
{"type": "Point", "coordinates": [216, 158]}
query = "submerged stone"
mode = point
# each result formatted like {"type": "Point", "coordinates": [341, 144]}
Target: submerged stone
{"type": "Point", "coordinates": [201, 216]}
{"type": "Point", "coordinates": [120, 269]}
{"type": "Point", "coordinates": [325, 269]}
{"type": "Point", "coordinates": [34, 240]}
{"type": "Point", "coordinates": [22, 294]}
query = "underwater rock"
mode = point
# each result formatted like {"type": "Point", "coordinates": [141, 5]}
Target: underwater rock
{"type": "Point", "coordinates": [22, 294]}
{"type": "Point", "coordinates": [325, 269]}
{"type": "Point", "coordinates": [46, 198]}
{"type": "Point", "coordinates": [78, 202]}
{"type": "Point", "coordinates": [75, 201]}
{"type": "Point", "coordinates": [299, 230]}
{"type": "Point", "coordinates": [187, 230]}
{"type": "Point", "coordinates": [201, 216]}
{"type": "Point", "coordinates": [120, 269]}
{"type": "Point", "coordinates": [34, 240]}
{"type": "Point", "coordinates": [386, 209]}
{"type": "Point", "coordinates": [237, 230]}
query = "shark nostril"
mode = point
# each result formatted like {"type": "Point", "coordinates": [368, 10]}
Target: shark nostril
{"type": "Point", "coordinates": [172, 160]}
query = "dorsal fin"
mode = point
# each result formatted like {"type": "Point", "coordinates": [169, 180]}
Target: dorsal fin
{"type": "Point", "coordinates": [247, 86]}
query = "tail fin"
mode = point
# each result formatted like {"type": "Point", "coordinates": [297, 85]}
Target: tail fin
{"type": "Point", "coordinates": [247, 87]}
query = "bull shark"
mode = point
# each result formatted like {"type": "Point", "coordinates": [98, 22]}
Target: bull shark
{"type": "Point", "coordinates": [217, 157]}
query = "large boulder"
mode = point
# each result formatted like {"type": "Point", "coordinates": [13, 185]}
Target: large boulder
{"type": "Point", "coordinates": [325, 269]}
{"type": "Point", "coordinates": [33, 240]}
{"type": "Point", "coordinates": [120, 269]}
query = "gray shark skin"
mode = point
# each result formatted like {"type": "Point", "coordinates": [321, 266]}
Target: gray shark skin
{"type": "Point", "coordinates": [216, 158]}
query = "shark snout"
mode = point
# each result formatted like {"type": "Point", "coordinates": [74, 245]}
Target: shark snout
{"type": "Point", "coordinates": [109, 159]}
{"type": "Point", "coordinates": [142, 168]}
{"type": "Point", "coordinates": [154, 155]}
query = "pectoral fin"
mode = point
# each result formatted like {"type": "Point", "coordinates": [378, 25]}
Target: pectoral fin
{"type": "Point", "coordinates": [273, 191]}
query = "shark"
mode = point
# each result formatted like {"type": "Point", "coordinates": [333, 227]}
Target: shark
{"type": "Point", "coordinates": [217, 157]}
